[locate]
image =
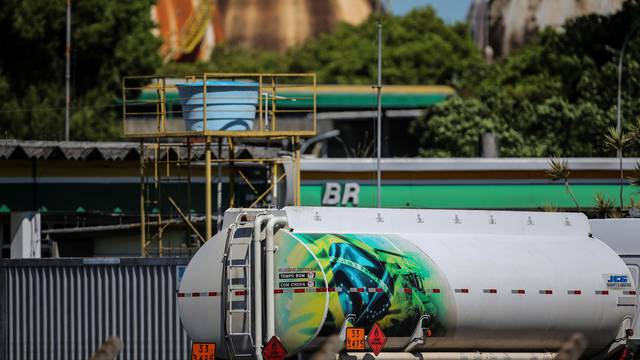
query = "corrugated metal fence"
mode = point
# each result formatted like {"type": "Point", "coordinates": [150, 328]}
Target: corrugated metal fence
{"type": "Point", "coordinates": [65, 308]}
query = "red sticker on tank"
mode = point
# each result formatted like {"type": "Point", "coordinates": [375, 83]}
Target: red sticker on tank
{"type": "Point", "coordinates": [376, 339]}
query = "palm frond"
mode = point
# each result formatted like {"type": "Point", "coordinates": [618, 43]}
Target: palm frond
{"type": "Point", "coordinates": [616, 141]}
{"type": "Point", "coordinates": [558, 169]}
{"type": "Point", "coordinates": [635, 177]}
{"type": "Point", "coordinates": [604, 206]}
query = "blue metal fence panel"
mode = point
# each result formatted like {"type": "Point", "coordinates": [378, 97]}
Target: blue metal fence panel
{"type": "Point", "coordinates": [63, 309]}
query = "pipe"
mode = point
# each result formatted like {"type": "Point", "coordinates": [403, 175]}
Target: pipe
{"type": "Point", "coordinates": [257, 281]}
{"type": "Point", "coordinates": [207, 188]}
{"type": "Point", "coordinates": [270, 273]}
{"type": "Point", "coordinates": [379, 120]}
{"type": "Point", "coordinates": [453, 356]}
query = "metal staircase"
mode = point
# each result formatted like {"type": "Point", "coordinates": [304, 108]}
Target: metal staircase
{"type": "Point", "coordinates": [238, 286]}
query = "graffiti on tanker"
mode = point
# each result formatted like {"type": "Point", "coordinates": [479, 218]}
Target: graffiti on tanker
{"type": "Point", "coordinates": [381, 279]}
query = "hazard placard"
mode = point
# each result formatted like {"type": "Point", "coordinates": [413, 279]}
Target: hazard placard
{"type": "Point", "coordinates": [355, 339]}
{"type": "Point", "coordinates": [203, 351]}
{"type": "Point", "coordinates": [376, 339]}
{"type": "Point", "coordinates": [273, 350]}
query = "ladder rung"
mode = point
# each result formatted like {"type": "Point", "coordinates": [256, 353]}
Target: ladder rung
{"type": "Point", "coordinates": [235, 242]}
{"type": "Point", "coordinates": [239, 334]}
{"type": "Point", "coordinates": [233, 288]}
{"type": "Point", "coordinates": [239, 265]}
{"type": "Point", "coordinates": [234, 311]}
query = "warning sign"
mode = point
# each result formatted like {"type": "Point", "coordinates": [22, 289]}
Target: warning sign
{"type": "Point", "coordinates": [376, 339]}
{"type": "Point", "coordinates": [273, 350]}
{"type": "Point", "coordinates": [203, 351]}
{"type": "Point", "coordinates": [355, 339]}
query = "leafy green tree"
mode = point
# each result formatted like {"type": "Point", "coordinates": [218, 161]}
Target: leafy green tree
{"type": "Point", "coordinates": [557, 94]}
{"type": "Point", "coordinates": [419, 48]}
{"type": "Point", "coordinates": [109, 40]}
{"type": "Point", "coordinates": [232, 59]}
{"type": "Point", "coordinates": [455, 127]}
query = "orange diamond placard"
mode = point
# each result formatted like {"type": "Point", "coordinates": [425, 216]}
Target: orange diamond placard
{"type": "Point", "coordinates": [376, 339]}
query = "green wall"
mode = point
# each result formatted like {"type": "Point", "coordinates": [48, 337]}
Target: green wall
{"type": "Point", "coordinates": [477, 196]}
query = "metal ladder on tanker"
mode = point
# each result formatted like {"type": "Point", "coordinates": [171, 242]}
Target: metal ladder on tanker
{"type": "Point", "coordinates": [238, 286]}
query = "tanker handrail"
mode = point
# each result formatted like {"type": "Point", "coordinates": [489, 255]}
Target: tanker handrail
{"type": "Point", "coordinates": [270, 272]}
{"type": "Point", "coordinates": [257, 278]}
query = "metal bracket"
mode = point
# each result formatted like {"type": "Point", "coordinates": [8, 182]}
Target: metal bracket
{"type": "Point", "coordinates": [417, 338]}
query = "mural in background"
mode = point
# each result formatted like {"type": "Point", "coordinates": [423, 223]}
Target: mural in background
{"type": "Point", "coordinates": [398, 273]}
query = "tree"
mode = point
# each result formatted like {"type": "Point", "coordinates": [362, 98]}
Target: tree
{"type": "Point", "coordinates": [559, 170]}
{"type": "Point", "coordinates": [418, 48]}
{"type": "Point", "coordinates": [232, 59]}
{"type": "Point", "coordinates": [109, 40]}
{"type": "Point", "coordinates": [455, 127]}
{"type": "Point", "coordinates": [557, 94]}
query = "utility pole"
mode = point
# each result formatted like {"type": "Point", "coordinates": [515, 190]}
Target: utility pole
{"type": "Point", "coordinates": [67, 75]}
{"type": "Point", "coordinates": [379, 121]}
{"type": "Point", "coordinates": [619, 111]}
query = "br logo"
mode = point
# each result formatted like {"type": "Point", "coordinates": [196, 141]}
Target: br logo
{"type": "Point", "coordinates": [334, 194]}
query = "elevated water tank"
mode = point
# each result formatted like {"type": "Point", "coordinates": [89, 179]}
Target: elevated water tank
{"type": "Point", "coordinates": [231, 105]}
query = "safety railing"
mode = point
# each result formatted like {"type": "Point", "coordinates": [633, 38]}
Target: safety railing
{"type": "Point", "coordinates": [220, 104]}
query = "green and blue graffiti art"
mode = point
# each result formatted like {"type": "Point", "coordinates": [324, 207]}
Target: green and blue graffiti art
{"type": "Point", "coordinates": [384, 279]}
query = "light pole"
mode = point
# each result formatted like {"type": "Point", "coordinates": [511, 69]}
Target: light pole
{"type": "Point", "coordinates": [624, 47]}
{"type": "Point", "coordinates": [67, 73]}
{"type": "Point", "coordinates": [619, 111]}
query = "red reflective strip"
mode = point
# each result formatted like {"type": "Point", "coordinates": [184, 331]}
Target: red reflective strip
{"type": "Point", "coordinates": [493, 291]}
{"type": "Point", "coordinates": [602, 292]}
{"type": "Point", "coordinates": [407, 291]}
{"type": "Point", "coordinates": [436, 291]}
{"type": "Point", "coordinates": [378, 289]}
{"type": "Point", "coordinates": [463, 291]}
{"type": "Point", "coordinates": [360, 289]}
{"type": "Point", "coordinates": [195, 294]}
{"type": "Point", "coordinates": [298, 290]}
{"type": "Point", "coordinates": [574, 292]}
{"type": "Point", "coordinates": [180, 294]}
{"type": "Point", "coordinates": [629, 292]}
{"type": "Point", "coordinates": [331, 289]}
{"type": "Point", "coordinates": [321, 289]}
{"type": "Point", "coordinates": [518, 291]}
{"type": "Point", "coordinates": [546, 292]}
{"type": "Point", "coordinates": [240, 292]}
{"type": "Point", "coordinates": [278, 291]}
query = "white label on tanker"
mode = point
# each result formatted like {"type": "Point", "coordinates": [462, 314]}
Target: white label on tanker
{"type": "Point", "coordinates": [296, 284]}
{"type": "Point", "coordinates": [297, 275]}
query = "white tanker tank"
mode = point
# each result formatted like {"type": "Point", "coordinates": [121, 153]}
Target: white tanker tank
{"type": "Point", "coordinates": [443, 282]}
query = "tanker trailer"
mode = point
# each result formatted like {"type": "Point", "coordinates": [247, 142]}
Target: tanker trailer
{"type": "Point", "coordinates": [439, 283]}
